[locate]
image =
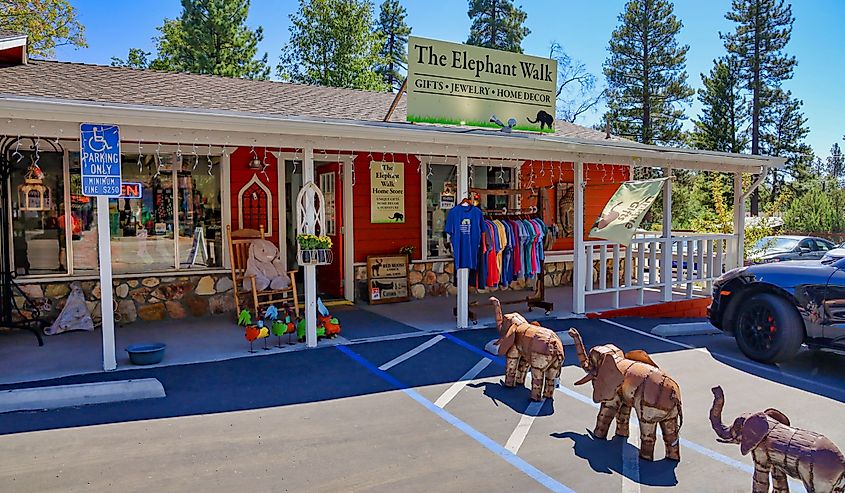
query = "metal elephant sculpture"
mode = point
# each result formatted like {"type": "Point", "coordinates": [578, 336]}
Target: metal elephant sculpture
{"type": "Point", "coordinates": [625, 381]}
{"type": "Point", "coordinates": [781, 450]}
{"type": "Point", "coordinates": [525, 344]}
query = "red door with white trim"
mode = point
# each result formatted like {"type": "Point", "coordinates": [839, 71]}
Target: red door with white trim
{"type": "Point", "coordinates": [330, 277]}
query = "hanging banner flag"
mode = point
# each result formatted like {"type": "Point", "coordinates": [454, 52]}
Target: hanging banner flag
{"type": "Point", "coordinates": [625, 210]}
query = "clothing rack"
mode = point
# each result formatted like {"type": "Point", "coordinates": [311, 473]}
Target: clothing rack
{"type": "Point", "coordinates": [538, 298]}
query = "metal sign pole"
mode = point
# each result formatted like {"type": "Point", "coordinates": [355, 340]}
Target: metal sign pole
{"type": "Point", "coordinates": [101, 178]}
{"type": "Point", "coordinates": [106, 297]}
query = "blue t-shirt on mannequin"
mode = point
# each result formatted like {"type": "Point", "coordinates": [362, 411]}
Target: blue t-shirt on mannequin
{"type": "Point", "coordinates": [463, 224]}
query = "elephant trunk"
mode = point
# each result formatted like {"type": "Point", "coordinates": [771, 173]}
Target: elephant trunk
{"type": "Point", "coordinates": [719, 427]}
{"type": "Point", "coordinates": [579, 349]}
{"type": "Point", "coordinates": [497, 306]}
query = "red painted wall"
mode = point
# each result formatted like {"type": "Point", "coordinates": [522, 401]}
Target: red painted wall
{"type": "Point", "coordinates": [240, 175]}
{"type": "Point", "coordinates": [375, 239]}
{"type": "Point", "coordinates": [602, 183]}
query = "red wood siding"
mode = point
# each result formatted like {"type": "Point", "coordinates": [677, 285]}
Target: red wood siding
{"type": "Point", "coordinates": [240, 175]}
{"type": "Point", "coordinates": [374, 239]}
{"type": "Point", "coordinates": [602, 183]}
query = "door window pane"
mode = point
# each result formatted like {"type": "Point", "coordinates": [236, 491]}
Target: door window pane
{"type": "Point", "coordinates": [142, 229]}
{"type": "Point", "coordinates": [38, 214]}
{"type": "Point", "coordinates": [441, 196]}
{"type": "Point", "coordinates": [200, 218]}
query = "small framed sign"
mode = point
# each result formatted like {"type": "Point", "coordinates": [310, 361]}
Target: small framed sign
{"type": "Point", "coordinates": [387, 279]}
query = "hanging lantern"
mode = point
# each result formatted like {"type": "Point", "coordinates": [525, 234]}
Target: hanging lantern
{"type": "Point", "coordinates": [33, 195]}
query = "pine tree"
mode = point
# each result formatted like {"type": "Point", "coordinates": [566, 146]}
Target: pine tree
{"type": "Point", "coordinates": [211, 37]}
{"type": "Point", "coordinates": [786, 129]}
{"type": "Point", "coordinates": [836, 164]}
{"type": "Point", "coordinates": [333, 43]}
{"type": "Point", "coordinates": [394, 32]}
{"type": "Point", "coordinates": [497, 24]}
{"type": "Point", "coordinates": [47, 24]}
{"type": "Point", "coordinates": [646, 77]}
{"type": "Point", "coordinates": [721, 126]}
{"type": "Point", "coordinates": [763, 29]}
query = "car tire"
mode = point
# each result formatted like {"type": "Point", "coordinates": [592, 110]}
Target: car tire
{"type": "Point", "coordinates": [768, 329]}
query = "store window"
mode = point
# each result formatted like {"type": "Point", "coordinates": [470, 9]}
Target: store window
{"type": "Point", "coordinates": [150, 233]}
{"type": "Point", "coordinates": [441, 195]}
{"type": "Point", "coordinates": [39, 239]}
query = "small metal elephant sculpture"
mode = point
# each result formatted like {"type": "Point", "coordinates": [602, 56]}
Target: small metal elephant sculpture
{"type": "Point", "coordinates": [622, 382]}
{"type": "Point", "coordinates": [525, 344]}
{"type": "Point", "coordinates": [781, 450]}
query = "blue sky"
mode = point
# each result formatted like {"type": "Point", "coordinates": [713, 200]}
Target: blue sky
{"type": "Point", "coordinates": [582, 28]}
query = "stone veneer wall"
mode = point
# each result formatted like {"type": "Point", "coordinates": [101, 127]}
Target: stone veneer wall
{"type": "Point", "coordinates": [147, 298]}
{"type": "Point", "coordinates": [436, 279]}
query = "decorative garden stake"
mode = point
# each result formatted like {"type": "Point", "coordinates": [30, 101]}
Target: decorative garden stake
{"type": "Point", "coordinates": [632, 380]}
{"type": "Point", "coordinates": [263, 333]}
{"type": "Point", "coordinates": [250, 331]}
{"type": "Point", "coordinates": [781, 450]}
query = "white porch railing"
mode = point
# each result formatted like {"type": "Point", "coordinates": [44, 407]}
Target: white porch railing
{"type": "Point", "coordinates": [695, 259]}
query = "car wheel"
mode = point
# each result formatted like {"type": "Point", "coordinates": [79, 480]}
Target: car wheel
{"type": "Point", "coordinates": [768, 329]}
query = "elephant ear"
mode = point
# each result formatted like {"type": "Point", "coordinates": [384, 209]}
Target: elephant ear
{"type": "Point", "coordinates": [608, 379]}
{"type": "Point", "coordinates": [507, 340]}
{"type": "Point", "coordinates": [777, 416]}
{"type": "Point", "coordinates": [754, 430]}
{"type": "Point", "coordinates": [641, 356]}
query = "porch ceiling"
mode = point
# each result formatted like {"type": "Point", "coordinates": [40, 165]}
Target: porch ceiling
{"type": "Point", "coordinates": [57, 118]}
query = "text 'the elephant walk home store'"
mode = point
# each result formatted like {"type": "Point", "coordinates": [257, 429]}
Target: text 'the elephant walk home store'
{"type": "Point", "coordinates": [375, 172]}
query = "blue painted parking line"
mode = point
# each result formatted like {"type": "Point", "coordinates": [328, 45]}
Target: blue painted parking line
{"type": "Point", "coordinates": [514, 460]}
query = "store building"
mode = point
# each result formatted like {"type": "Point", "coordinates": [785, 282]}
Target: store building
{"type": "Point", "coordinates": [211, 152]}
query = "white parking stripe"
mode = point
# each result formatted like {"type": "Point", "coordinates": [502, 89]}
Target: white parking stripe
{"type": "Point", "coordinates": [630, 464]}
{"type": "Point", "coordinates": [410, 354]}
{"type": "Point", "coordinates": [456, 387]}
{"type": "Point", "coordinates": [524, 425]}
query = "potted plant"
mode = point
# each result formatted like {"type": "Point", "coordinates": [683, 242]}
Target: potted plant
{"type": "Point", "coordinates": [408, 251]}
{"type": "Point", "coordinates": [314, 250]}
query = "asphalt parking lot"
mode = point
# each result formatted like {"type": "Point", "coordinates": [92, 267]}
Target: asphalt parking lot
{"type": "Point", "coordinates": [422, 413]}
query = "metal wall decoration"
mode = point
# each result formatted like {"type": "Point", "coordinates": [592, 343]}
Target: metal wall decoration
{"type": "Point", "coordinates": [254, 210]}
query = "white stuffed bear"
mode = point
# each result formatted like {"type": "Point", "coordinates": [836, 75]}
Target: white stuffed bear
{"type": "Point", "coordinates": [265, 264]}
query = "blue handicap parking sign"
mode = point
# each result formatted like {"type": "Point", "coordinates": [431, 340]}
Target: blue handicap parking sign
{"type": "Point", "coordinates": [100, 159]}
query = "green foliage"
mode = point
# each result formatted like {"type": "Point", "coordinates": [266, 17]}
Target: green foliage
{"type": "Point", "coordinates": [786, 129]}
{"type": "Point", "coordinates": [47, 24]}
{"type": "Point", "coordinates": [646, 77]}
{"type": "Point", "coordinates": [394, 32]}
{"type": "Point", "coordinates": [817, 211]}
{"type": "Point", "coordinates": [835, 164]}
{"type": "Point", "coordinates": [333, 43]}
{"type": "Point", "coordinates": [137, 58]}
{"type": "Point", "coordinates": [211, 37]}
{"type": "Point", "coordinates": [721, 126]}
{"type": "Point", "coordinates": [497, 24]}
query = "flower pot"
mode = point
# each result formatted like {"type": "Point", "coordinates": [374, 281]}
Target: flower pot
{"type": "Point", "coordinates": [321, 256]}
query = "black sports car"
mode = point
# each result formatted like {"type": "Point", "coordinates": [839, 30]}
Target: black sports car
{"type": "Point", "coordinates": [772, 309]}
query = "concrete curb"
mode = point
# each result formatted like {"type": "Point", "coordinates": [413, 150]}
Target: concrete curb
{"type": "Point", "coordinates": [685, 329]}
{"type": "Point", "coordinates": [79, 394]}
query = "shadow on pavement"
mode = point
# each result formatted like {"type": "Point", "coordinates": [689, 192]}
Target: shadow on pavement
{"type": "Point", "coordinates": [517, 398]}
{"type": "Point", "coordinates": [605, 456]}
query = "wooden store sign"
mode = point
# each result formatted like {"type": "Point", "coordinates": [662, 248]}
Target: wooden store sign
{"type": "Point", "coordinates": [387, 278]}
{"type": "Point", "coordinates": [452, 83]}
{"type": "Point", "coordinates": [387, 192]}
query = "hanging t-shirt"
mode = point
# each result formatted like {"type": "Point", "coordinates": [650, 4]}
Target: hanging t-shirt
{"type": "Point", "coordinates": [463, 224]}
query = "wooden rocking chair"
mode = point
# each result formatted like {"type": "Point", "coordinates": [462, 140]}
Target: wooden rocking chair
{"type": "Point", "coordinates": [239, 242]}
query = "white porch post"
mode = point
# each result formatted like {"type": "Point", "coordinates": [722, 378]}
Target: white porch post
{"type": "Point", "coordinates": [666, 254]}
{"type": "Point", "coordinates": [738, 257]}
{"type": "Point", "coordinates": [463, 274]}
{"type": "Point", "coordinates": [348, 233]}
{"type": "Point", "coordinates": [579, 259]}
{"type": "Point", "coordinates": [310, 269]}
